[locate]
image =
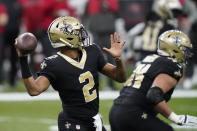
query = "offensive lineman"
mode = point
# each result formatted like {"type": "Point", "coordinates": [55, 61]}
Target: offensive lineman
{"type": "Point", "coordinates": [73, 72]}
{"type": "Point", "coordinates": [150, 87]}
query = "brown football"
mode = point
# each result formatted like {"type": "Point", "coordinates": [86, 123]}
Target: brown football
{"type": "Point", "coordinates": [26, 43]}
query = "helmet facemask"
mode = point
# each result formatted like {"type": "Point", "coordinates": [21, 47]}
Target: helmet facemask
{"type": "Point", "coordinates": [188, 54]}
{"type": "Point", "coordinates": [84, 39]}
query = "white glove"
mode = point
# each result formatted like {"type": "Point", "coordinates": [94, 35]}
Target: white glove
{"type": "Point", "coordinates": [186, 120]}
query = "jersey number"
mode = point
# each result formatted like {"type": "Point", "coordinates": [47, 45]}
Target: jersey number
{"type": "Point", "coordinates": [137, 77]}
{"type": "Point", "coordinates": [150, 37]}
{"type": "Point", "coordinates": [86, 88]}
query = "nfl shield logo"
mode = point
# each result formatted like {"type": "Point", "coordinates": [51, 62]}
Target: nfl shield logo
{"type": "Point", "coordinates": [78, 127]}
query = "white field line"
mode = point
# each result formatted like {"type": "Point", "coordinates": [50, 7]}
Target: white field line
{"type": "Point", "coordinates": [104, 95]}
{"type": "Point", "coordinates": [27, 120]}
{"type": "Point", "coordinates": [52, 122]}
{"type": "Point", "coordinates": [55, 127]}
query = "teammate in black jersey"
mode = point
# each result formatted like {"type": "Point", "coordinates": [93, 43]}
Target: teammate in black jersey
{"type": "Point", "coordinates": [142, 38]}
{"type": "Point", "coordinates": [150, 87]}
{"type": "Point", "coordinates": [73, 72]}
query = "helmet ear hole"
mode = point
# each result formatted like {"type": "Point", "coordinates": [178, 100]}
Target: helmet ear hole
{"type": "Point", "coordinates": [70, 39]}
{"type": "Point", "coordinates": [57, 25]}
{"type": "Point", "coordinates": [175, 51]}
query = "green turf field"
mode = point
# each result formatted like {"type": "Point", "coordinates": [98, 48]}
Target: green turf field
{"type": "Point", "coordinates": [41, 115]}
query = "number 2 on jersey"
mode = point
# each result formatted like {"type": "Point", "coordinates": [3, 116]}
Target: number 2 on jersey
{"type": "Point", "coordinates": [86, 88]}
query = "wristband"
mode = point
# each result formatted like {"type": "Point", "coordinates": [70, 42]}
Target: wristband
{"type": "Point", "coordinates": [25, 71]}
{"type": "Point", "coordinates": [173, 117]}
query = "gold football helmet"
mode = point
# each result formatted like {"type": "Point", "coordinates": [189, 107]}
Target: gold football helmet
{"type": "Point", "coordinates": [165, 8]}
{"type": "Point", "coordinates": [67, 31]}
{"type": "Point", "coordinates": [175, 44]}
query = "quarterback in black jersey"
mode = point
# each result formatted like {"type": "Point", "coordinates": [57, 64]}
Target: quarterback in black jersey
{"type": "Point", "coordinates": [73, 72]}
{"type": "Point", "coordinates": [149, 88]}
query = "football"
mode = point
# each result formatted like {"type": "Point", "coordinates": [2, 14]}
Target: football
{"type": "Point", "coordinates": [26, 43]}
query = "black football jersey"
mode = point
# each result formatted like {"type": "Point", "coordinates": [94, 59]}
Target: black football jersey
{"type": "Point", "coordinates": [76, 82]}
{"type": "Point", "coordinates": [150, 34]}
{"type": "Point", "coordinates": [136, 87]}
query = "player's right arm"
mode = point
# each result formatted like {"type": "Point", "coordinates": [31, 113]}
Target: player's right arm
{"type": "Point", "coordinates": [34, 87]}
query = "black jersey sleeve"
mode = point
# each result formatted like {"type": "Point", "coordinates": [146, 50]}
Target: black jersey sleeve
{"type": "Point", "coordinates": [46, 69]}
{"type": "Point", "coordinates": [101, 59]}
{"type": "Point", "coordinates": [166, 66]}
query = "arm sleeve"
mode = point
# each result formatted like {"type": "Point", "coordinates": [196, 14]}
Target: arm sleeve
{"type": "Point", "coordinates": [101, 59]}
{"type": "Point", "coordinates": [46, 69]}
{"type": "Point", "coordinates": [167, 66]}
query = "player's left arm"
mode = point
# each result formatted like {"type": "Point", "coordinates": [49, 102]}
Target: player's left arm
{"type": "Point", "coordinates": [162, 84]}
{"type": "Point", "coordinates": [117, 72]}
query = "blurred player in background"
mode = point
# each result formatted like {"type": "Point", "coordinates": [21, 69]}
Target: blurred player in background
{"type": "Point", "coordinates": [149, 88]}
{"type": "Point", "coordinates": [73, 72]}
{"type": "Point", "coordinates": [11, 31]}
{"type": "Point", "coordinates": [3, 23]}
{"type": "Point", "coordinates": [190, 27]}
{"type": "Point", "coordinates": [142, 38]}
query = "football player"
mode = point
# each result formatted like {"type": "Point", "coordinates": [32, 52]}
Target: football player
{"type": "Point", "coordinates": [73, 72]}
{"type": "Point", "coordinates": [142, 38]}
{"type": "Point", "coordinates": [149, 88]}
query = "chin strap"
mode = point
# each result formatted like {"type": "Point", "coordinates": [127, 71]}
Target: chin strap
{"type": "Point", "coordinates": [98, 124]}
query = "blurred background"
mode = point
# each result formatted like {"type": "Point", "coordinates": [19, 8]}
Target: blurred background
{"type": "Point", "coordinates": [139, 22]}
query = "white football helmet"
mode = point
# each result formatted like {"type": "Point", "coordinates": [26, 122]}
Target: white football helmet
{"type": "Point", "coordinates": [165, 8]}
{"type": "Point", "coordinates": [67, 31]}
{"type": "Point", "coordinates": [175, 44]}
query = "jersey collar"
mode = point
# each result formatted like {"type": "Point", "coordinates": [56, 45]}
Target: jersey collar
{"type": "Point", "coordinates": [80, 64]}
